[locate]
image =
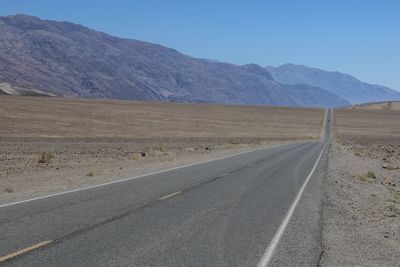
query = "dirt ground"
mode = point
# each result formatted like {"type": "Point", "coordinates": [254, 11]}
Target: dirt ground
{"type": "Point", "coordinates": [49, 145]}
{"type": "Point", "coordinates": [361, 219]}
{"type": "Point", "coordinates": [393, 105]}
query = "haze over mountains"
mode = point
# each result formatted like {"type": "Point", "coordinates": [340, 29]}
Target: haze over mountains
{"type": "Point", "coordinates": [335, 82]}
{"type": "Point", "coordinates": [60, 58]}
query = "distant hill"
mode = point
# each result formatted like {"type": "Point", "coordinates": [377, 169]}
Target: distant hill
{"type": "Point", "coordinates": [335, 82]}
{"type": "Point", "coordinates": [392, 105]}
{"type": "Point", "coordinates": [65, 59]}
{"type": "Point", "coordinates": [8, 89]}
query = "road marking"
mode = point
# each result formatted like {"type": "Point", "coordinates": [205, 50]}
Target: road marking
{"type": "Point", "coordinates": [269, 252]}
{"type": "Point", "coordinates": [144, 175]}
{"type": "Point", "coordinates": [170, 195]}
{"type": "Point", "coordinates": [25, 250]}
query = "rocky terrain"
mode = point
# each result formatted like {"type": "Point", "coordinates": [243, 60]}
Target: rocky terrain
{"type": "Point", "coordinates": [361, 220]}
{"type": "Point", "coordinates": [65, 59]}
{"type": "Point", "coordinates": [335, 82]}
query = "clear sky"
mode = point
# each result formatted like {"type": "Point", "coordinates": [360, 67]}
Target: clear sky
{"type": "Point", "coordinates": [359, 37]}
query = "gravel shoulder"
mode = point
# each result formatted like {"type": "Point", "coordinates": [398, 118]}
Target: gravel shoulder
{"type": "Point", "coordinates": [361, 209]}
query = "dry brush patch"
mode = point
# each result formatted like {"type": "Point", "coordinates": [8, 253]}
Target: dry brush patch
{"type": "Point", "coordinates": [90, 174]}
{"type": "Point", "coordinates": [45, 157]}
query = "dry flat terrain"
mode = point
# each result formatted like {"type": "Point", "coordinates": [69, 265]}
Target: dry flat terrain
{"type": "Point", "coordinates": [393, 105]}
{"type": "Point", "coordinates": [361, 220]}
{"type": "Point", "coordinates": [53, 144]}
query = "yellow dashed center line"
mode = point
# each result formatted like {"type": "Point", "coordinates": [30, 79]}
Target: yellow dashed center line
{"type": "Point", "coordinates": [25, 250]}
{"type": "Point", "coordinates": [170, 195]}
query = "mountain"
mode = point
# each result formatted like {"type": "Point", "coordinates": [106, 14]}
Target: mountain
{"type": "Point", "coordinates": [65, 59]}
{"type": "Point", "coordinates": [335, 82]}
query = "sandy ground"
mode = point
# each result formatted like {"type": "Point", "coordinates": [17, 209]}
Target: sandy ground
{"type": "Point", "coordinates": [50, 145]}
{"type": "Point", "coordinates": [361, 218]}
{"type": "Point", "coordinates": [78, 118]}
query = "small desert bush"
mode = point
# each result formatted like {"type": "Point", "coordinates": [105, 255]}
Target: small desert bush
{"type": "Point", "coordinates": [158, 151]}
{"type": "Point", "coordinates": [395, 199]}
{"type": "Point", "coordinates": [234, 142]}
{"type": "Point", "coordinates": [90, 174]}
{"type": "Point", "coordinates": [9, 190]}
{"type": "Point", "coordinates": [369, 176]}
{"type": "Point", "coordinates": [45, 157]}
{"type": "Point", "coordinates": [391, 211]}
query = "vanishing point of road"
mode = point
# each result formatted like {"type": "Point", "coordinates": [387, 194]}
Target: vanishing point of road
{"type": "Point", "coordinates": [259, 208]}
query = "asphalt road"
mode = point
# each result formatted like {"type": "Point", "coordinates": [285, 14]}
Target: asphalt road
{"type": "Point", "coordinates": [257, 208]}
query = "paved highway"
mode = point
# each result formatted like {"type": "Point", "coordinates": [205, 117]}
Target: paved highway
{"type": "Point", "coordinates": [261, 208]}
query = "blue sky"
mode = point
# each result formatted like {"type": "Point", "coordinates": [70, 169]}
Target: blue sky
{"type": "Point", "coordinates": [359, 37]}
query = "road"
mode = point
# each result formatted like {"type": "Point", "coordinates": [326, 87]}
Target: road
{"type": "Point", "coordinates": [257, 208]}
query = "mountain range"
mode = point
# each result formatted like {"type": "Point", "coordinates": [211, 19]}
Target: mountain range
{"type": "Point", "coordinates": [335, 82]}
{"type": "Point", "coordinates": [65, 59]}
{"type": "Point", "coordinates": [42, 57]}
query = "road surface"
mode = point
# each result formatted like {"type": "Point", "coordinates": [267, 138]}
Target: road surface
{"type": "Point", "coordinates": [253, 209]}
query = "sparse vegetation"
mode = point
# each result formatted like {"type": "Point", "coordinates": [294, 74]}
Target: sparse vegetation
{"type": "Point", "coordinates": [391, 211]}
{"type": "Point", "coordinates": [368, 177]}
{"type": "Point", "coordinates": [234, 142]}
{"type": "Point", "coordinates": [90, 174]}
{"type": "Point", "coordinates": [158, 151]}
{"type": "Point", "coordinates": [45, 157]}
{"type": "Point", "coordinates": [395, 198]}
{"type": "Point", "coordinates": [9, 190]}
{"type": "Point", "coordinates": [371, 175]}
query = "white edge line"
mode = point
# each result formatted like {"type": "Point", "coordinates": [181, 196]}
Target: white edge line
{"type": "Point", "coordinates": [140, 176]}
{"type": "Point", "coordinates": [269, 252]}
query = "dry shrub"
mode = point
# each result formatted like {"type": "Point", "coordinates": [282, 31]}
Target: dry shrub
{"type": "Point", "coordinates": [395, 198]}
{"type": "Point", "coordinates": [158, 151]}
{"type": "Point", "coordinates": [235, 142]}
{"type": "Point", "coordinates": [391, 211]}
{"type": "Point", "coordinates": [45, 157]}
{"type": "Point", "coordinates": [368, 177]}
{"type": "Point", "coordinates": [90, 174]}
{"type": "Point", "coordinates": [9, 190]}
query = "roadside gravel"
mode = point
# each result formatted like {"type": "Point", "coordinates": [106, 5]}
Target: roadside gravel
{"type": "Point", "coordinates": [361, 215]}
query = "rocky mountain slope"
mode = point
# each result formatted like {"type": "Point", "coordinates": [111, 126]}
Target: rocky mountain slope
{"type": "Point", "coordinates": [338, 83]}
{"type": "Point", "coordinates": [65, 59]}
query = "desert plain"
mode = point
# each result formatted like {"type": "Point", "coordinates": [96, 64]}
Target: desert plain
{"type": "Point", "coordinates": [51, 144]}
